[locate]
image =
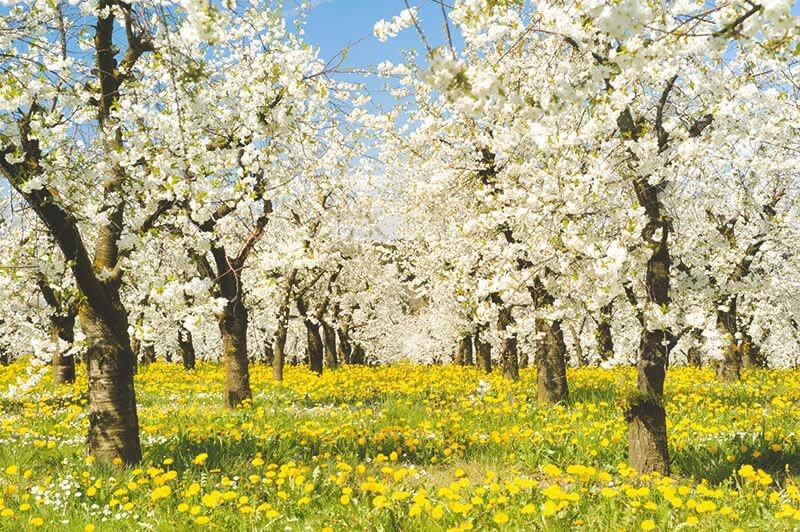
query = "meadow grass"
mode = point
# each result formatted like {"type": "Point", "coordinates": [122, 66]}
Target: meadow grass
{"type": "Point", "coordinates": [404, 448]}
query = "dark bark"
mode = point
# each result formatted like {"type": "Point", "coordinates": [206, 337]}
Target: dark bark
{"type": "Point", "coordinates": [63, 328]}
{"type": "Point", "coordinates": [551, 385]}
{"type": "Point", "coordinates": [267, 351]}
{"type": "Point", "coordinates": [483, 354]}
{"type": "Point", "coordinates": [113, 419]}
{"type": "Point", "coordinates": [279, 345]}
{"type": "Point", "coordinates": [233, 323]}
{"type": "Point", "coordinates": [147, 354]}
{"type": "Point", "coordinates": [233, 329]}
{"type": "Point", "coordinates": [314, 348]}
{"type": "Point", "coordinates": [647, 430]}
{"type": "Point", "coordinates": [647, 436]}
{"type": "Point", "coordinates": [730, 367]}
{"type": "Point", "coordinates": [186, 347]}
{"type": "Point", "coordinates": [358, 357]}
{"type": "Point", "coordinates": [343, 348]}
{"type": "Point", "coordinates": [508, 345]}
{"type": "Point", "coordinates": [605, 340]}
{"type": "Point", "coordinates": [752, 357]}
{"type": "Point", "coordinates": [694, 354]}
{"type": "Point", "coordinates": [279, 352]}
{"type": "Point", "coordinates": [580, 357]}
{"type": "Point", "coordinates": [464, 351]}
{"type": "Point", "coordinates": [551, 351]}
{"type": "Point", "coordinates": [329, 343]}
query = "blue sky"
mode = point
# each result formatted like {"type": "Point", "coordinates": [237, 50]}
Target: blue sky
{"type": "Point", "coordinates": [335, 24]}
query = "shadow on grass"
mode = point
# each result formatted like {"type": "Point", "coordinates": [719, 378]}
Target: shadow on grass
{"type": "Point", "coordinates": [700, 462]}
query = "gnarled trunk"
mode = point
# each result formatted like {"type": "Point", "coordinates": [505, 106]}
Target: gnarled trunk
{"type": "Point", "coordinates": [186, 347]}
{"type": "Point", "coordinates": [233, 329]}
{"type": "Point", "coordinates": [62, 328]}
{"type": "Point", "coordinates": [329, 343]}
{"type": "Point", "coordinates": [551, 382]}
{"type": "Point", "coordinates": [113, 420]}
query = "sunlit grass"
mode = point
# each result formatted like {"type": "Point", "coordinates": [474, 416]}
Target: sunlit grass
{"type": "Point", "coordinates": [404, 447]}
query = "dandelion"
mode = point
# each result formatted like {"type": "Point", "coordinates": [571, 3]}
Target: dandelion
{"type": "Point", "coordinates": [500, 518]}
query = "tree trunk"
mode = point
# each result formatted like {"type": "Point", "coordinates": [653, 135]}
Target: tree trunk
{"type": "Point", "coordinates": [279, 352]}
{"type": "Point", "coordinates": [483, 351]}
{"type": "Point", "coordinates": [551, 383]}
{"type": "Point", "coordinates": [279, 345]}
{"type": "Point", "coordinates": [647, 437]}
{"type": "Point", "coordinates": [62, 328]}
{"type": "Point", "coordinates": [186, 347]}
{"type": "Point", "coordinates": [551, 351]}
{"type": "Point", "coordinates": [464, 351]}
{"type": "Point", "coordinates": [148, 354]}
{"type": "Point", "coordinates": [605, 340]}
{"type": "Point", "coordinates": [730, 367]}
{"type": "Point", "coordinates": [358, 357]}
{"type": "Point", "coordinates": [694, 354]}
{"type": "Point", "coordinates": [233, 329]}
{"type": "Point", "coordinates": [267, 352]}
{"type": "Point", "coordinates": [751, 352]}
{"type": "Point", "coordinates": [343, 349]}
{"type": "Point", "coordinates": [508, 345]}
{"type": "Point", "coordinates": [113, 420]}
{"type": "Point", "coordinates": [647, 425]}
{"type": "Point", "coordinates": [314, 346]}
{"type": "Point", "coordinates": [579, 354]}
{"type": "Point", "coordinates": [329, 343]}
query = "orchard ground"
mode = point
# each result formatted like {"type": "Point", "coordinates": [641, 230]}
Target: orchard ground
{"type": "Point", "coordinates": [403, 448]}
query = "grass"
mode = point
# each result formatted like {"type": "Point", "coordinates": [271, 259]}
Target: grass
{"type": "Point", "coordinates": [403, 448]}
